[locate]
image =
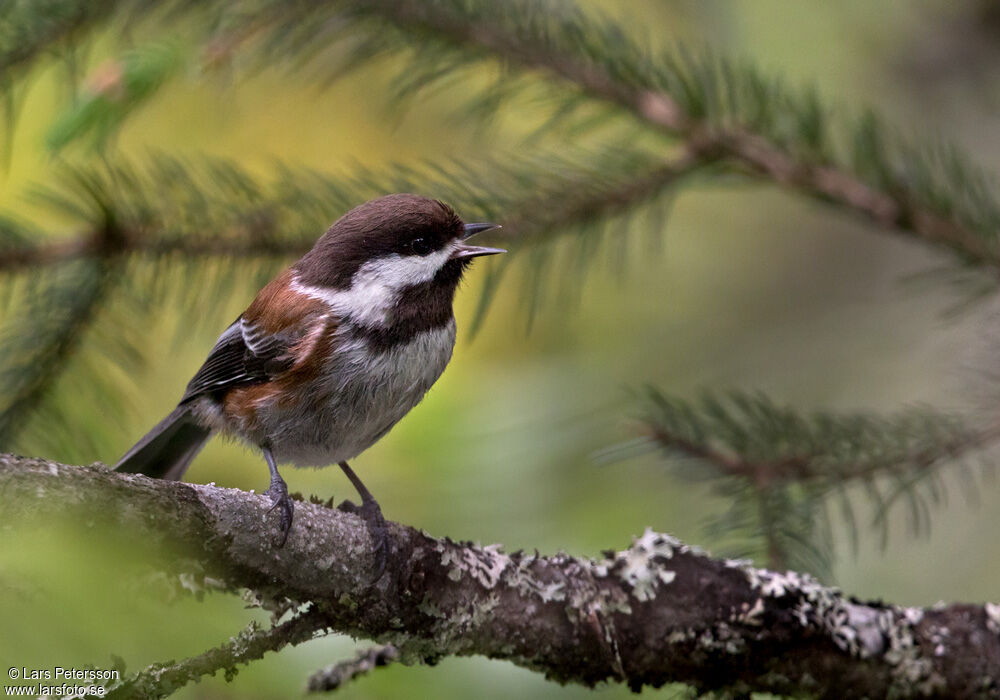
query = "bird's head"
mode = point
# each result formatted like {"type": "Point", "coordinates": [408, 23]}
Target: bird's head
{"type": "Point", "coordinates": [392, 253]}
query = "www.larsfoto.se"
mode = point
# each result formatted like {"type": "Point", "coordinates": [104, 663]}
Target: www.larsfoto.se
{"type": "Point", "coordinates": [54, 691]}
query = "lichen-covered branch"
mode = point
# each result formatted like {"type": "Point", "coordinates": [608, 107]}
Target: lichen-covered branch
{"type": "Point", "coordinates": [656, 612]}
{"type": "Point", "coordinates": [161, 680]}
{"type": "Point", "coordinates": [337, 675]}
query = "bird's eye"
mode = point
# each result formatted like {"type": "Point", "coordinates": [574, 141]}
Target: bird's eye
{"type": "Point", "coordinates": [420, 246]}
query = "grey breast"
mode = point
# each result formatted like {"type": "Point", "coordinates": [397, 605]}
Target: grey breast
{"type": "Point", "coordinates": [359, 397]}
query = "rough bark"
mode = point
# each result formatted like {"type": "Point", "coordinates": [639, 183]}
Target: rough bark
{"type": "Point", "coordinates": [659, 611]}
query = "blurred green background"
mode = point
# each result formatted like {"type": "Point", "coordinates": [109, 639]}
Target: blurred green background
{"type": "Point", "coordinates": [755, 289]}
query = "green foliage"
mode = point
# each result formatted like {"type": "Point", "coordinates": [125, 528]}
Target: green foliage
{"type": "Point", "coordinates": [168, 219]}
{"type": "Point", "coordinates": [595, 58]}
{"type": "Point", "coordinates": [31, 28]}
{"type": "Point", "coordinates": [749, 429]}
{"type": "Point", "coordinates": [118, 89]}
{"type": "Point", "coordinates": [781, 467]}
{"type": "Point", "coordinates": [37, 345]}
{"type": "Point", "coordinates": [15, 234]}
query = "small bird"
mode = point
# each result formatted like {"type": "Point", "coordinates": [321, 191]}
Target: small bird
{"type": "Point", "coordinates": [331, 354]}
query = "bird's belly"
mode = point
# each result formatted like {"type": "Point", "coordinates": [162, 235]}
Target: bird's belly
{"type": "Point", "coordinates": [361, 394]}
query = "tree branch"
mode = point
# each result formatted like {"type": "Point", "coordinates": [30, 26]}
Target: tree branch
{"type": "Point", "coordinates": [581, 198]}
{"type": "Point", "coordinates": [38, 27]}
{"type": "Point", "coordinates": [339, 674]}
{"type": "Point", "coordinates": [657, 107]}
{"type": "Point", "coordinates": [37, 353]}
{"type": "Point", "coordinates": [896, 205]}
{"type": "Point", "coordinates": [161, 680]}
{"type": "Point", "coordinates": [657, 612]}
{"type": "Point", "coordinates": [793, 447]}
{"type": "Point", "coordinates": [89, 246]}
{"type": "Point", "coordinates": [563, 210]}
{"type": "Point", "coordinates": [804, 468]}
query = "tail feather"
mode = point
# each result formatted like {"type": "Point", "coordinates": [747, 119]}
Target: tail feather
{"type": "Point", "coordinates": [166, 451]}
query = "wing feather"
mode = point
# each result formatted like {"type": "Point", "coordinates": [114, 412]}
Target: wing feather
{"type": "Point", "coordinates": [278, 330]}
{"type": "Point", "coordinates": [242, 355]}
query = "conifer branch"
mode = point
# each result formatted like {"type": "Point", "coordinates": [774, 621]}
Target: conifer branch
{"type": "Point", "coordinates": [175, 212]}
{"type": "Point", "coordinates": [714, 105]}
{"type": "Point", "coordinates": [267, 222]}
{"type": "Point", "coordinates": [147, 244]}
{"type": "Point", "coordinates": [779, 465]}
{"type": "Point", "coordinates": [729, 434]}
{"type": "Point", "coordinates": [576, 205]}
{"type": "Point", "coordinates": [31, 28]}
{"type": "Point", "coordinates": [533, 44]}
{"type": "Point", "coordinates": [38, 346]}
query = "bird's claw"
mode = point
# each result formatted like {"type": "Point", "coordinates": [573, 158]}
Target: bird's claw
{"type": "Point", "coordinates": [278, 493]}
{"type": "Point", "coordinates": [371, 513]}
{"type": "Point", "coordinates": [348, 507]}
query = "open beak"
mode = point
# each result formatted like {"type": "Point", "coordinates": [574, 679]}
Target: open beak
{"type": "Point", "coordinates": [474, 251]}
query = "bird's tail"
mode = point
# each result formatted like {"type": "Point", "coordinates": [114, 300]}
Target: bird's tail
{"type": "Point", "coordinates": [166, 451]}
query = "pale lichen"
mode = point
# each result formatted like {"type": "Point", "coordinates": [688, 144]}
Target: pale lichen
{"type": "Point", "coordinates": [864, 631]}
{"type": "Point", "coordinates": [751, 615]}
{"type": "Point", "coordinates": [484, 564]}
{"type": "Point", "coordinates": [547, 592]}
{"type": "Point", "coordinates": [992, 617]}
{"type": "Point", "coordinates": [641, 565]}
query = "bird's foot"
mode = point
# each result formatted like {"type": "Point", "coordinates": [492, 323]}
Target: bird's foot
{"type": "Point", "coordinates": [278, 493]}
{"type": "Point", "coordinates": [371, 513]}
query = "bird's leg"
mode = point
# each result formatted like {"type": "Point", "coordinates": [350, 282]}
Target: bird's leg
{"type": "Point", "coordinates": [372, 515]}
{"type": "Point", "coordinates": [278, 493]}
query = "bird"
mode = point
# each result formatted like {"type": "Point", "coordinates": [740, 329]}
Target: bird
{"type": "Point", "coordinates": [331, 354]}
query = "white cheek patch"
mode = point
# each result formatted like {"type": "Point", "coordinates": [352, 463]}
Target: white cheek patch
{"type": "Point", "coordinates": [398, 271]}
{"type": "Point", "coordinates": [376, 285]}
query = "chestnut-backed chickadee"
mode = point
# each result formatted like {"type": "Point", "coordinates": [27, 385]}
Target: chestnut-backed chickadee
{"type": "Point", "coordinates": [332, 353]}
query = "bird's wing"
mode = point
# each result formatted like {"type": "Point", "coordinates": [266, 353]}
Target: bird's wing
{"type": "Point", "coordinates": [278, 331]}
{"type": "Point", "coordinates": [242, 355]}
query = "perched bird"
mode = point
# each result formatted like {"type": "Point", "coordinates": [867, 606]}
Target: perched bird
{"type": "Point", "coordinates": [332, 353]}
